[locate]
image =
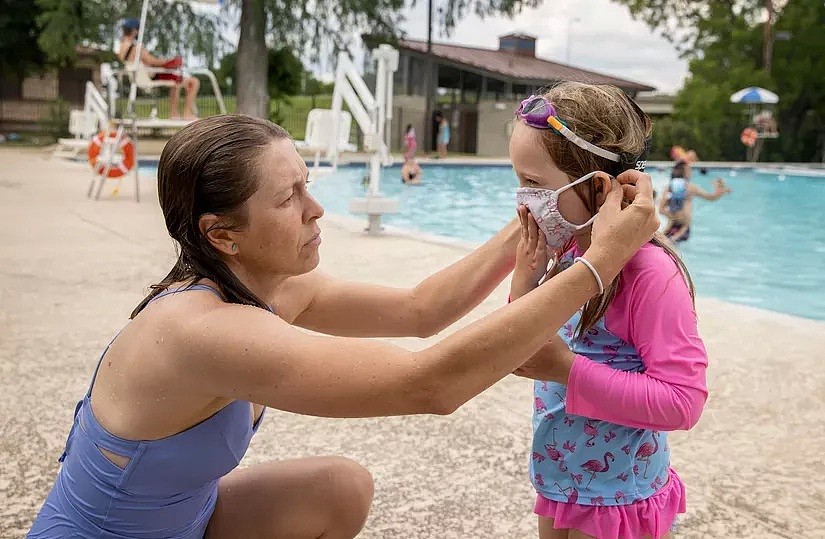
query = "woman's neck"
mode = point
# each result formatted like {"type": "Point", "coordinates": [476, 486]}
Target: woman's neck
{"type": "Point", "coordinates": [264, 286]}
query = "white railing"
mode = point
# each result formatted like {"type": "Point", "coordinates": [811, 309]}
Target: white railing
{"type": "Point", "coordinates": [373, 115]}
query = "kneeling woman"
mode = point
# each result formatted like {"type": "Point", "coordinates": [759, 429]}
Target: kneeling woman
{"type": "Point", "coordinates": [170, 412]}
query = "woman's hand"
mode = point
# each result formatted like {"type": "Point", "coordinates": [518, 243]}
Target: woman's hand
{"type": "Point", "coordinates": [550, 364]}
{"type": "Point", "coordinates": [618, 233]}
{"type": "Point", "coordinates": [531, 256]}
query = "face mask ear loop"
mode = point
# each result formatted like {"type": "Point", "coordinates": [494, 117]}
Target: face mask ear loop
{"type": "Point", "coordinates": [576, 182]}
{"type": "Point", "coordinates": [569, 186]}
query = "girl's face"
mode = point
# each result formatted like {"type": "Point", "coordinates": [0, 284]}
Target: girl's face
{"type": "Point", "coordinates": [535, 168]}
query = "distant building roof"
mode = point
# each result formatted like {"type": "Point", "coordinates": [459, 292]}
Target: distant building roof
{"type": "Point", "coordinates": [518, 35]}
{"type": "Point", "coordinates": [520, 68]}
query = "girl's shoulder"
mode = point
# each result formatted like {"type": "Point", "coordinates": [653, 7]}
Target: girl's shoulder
{"type": "Point", "coordinates": [654, 274]}
{"type": "Point", "coordinates": [650, 257]}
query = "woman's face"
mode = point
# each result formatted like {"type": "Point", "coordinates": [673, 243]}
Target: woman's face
{"type": "Point", "coordinates": [282, 234]}
{"type": "Point", "coordinates": [535, 168]}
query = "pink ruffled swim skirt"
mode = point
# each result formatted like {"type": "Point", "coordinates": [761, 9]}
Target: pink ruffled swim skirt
{"type": "Point", "coordinates": [652, 517]}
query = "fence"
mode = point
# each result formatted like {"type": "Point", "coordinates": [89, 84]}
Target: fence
{"type": "Point", "coordinates": [290, 113]}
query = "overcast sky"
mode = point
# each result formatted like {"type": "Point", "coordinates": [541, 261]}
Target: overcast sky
{"type": "Point", "coordinates": [604, 38]}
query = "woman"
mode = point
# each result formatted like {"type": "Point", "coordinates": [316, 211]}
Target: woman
{"type": "Point", "coordinates": [126, 53]}
{"type": "Point", "coordinates": [171, 410]}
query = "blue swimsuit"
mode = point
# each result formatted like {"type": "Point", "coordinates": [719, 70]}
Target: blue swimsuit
{"type": "Point", "coordinates": [168, 488]}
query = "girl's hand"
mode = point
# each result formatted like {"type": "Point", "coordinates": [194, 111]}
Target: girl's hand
{"type": "Point", "coordinates": [720, 187]}
{"type": "Point", "coordinates": [531, 256]}
{"type": "Point", "coordinates": [550, 364]}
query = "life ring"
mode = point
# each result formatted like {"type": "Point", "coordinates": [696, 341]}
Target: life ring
{"type": "Point", "coordinates": [748, 137]}
{"type": "Point", "coordinates": [123, 159]}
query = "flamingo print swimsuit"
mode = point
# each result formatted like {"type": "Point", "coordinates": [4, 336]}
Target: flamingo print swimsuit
{"type": "Point", "coordinates": [600, 460]}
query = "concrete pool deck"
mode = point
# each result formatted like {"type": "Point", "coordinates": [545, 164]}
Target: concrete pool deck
{"type": "Point", "coordinates": [72, 269]}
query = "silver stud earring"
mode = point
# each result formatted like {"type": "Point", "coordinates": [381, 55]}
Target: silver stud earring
{"type": "Point", "coordinates": [234, 247]}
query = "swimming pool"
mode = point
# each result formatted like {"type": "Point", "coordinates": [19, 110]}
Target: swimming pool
{"type": "Point", "coordinates": [764, 245]}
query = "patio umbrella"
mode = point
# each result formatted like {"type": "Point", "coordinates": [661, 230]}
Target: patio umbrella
{"type": "Point", "coordinates": [754, 95]}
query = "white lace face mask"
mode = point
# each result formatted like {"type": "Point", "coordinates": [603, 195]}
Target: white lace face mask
{"type": "Point", "coordinates": [544, 206]}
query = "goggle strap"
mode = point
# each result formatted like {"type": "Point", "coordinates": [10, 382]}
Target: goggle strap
{"type": "Point", "coordinates": [581, 143]}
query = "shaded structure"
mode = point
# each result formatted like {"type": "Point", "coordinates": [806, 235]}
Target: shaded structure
{"type": "Point", "coordinates": [476, 88]}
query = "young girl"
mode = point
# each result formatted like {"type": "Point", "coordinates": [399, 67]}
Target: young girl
{"type": "Point", "coordinates": [629, 366]}
{"type": "Point", "coordinates": [673, 205]}
{"type": "Point", "coordinates": [410, 143]}
{"type": "Point", "coordinates": [676, 202]}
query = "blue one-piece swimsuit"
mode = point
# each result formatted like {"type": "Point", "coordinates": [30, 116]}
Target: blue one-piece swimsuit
{"type": "Point", "coordinates": [167, 489]}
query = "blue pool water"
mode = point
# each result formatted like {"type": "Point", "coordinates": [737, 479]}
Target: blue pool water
{"type": "Point", "coordinates": [764, 245]}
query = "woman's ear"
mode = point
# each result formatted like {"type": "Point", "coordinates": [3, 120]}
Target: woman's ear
{"type": "Point", "coordinates": [602, 183]}
{"type": "Point", "coordinates": [219, 234]}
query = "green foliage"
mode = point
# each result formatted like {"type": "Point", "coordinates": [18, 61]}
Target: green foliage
{"type": "Point", "coordinates": [313, 86]}
{"type": "Point", "coordinates": [56, 124]}
{"type": "Point", "coordinates": [724, 44]}
{"type": "Point", "coordinates": [455, 10]}
{"type": "Point", "coordinates": [284, 72]}
{"type": "Point", "coordinates": [173, 26]}
{"type": "Point", "coordinates": [315, 28]}
{"type": "Point", "coordinates": [19, 52]}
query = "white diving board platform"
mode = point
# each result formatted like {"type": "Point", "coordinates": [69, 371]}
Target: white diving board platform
{"type": "Point", "coordinates": [155, 123]}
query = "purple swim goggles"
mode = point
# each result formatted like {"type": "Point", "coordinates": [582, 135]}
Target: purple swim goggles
{"type": "Point", "coordinates": [537, 112]}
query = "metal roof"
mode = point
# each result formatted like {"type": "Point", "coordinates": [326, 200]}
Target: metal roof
{"type": "Point", "coordinates": [517, 68]}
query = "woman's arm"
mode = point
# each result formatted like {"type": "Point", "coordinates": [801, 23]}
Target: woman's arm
{"type": "Point", "coordinates": [351, 309]}
{"type": "Point", "coordinates": [245, 353]}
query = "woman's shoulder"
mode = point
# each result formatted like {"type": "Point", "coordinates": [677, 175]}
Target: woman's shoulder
{"type": "Point", "coordinates": [176, 306]}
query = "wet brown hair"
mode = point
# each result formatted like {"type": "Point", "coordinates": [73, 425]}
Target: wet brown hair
{"type": "Point", "coordinates": [604, 116]}
{"type": "Point", "coordinates": [210, 167]}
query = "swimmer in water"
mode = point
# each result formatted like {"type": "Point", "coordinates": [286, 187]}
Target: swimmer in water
{"type": "Point", "coordinates": [676, 202]}
{"type": "Point", "coordinates": [411, 172]}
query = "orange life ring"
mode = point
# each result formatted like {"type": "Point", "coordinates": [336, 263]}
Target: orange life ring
{"type": "Point", "coordinates": [120, 167]}
{"type": "Point", "coordinates": [748, 137]}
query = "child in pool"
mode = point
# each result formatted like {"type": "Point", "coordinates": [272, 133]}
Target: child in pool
{"type": "Point", "coordinates": [677, 201]}
{"type": "Point", "coordinates": [630, 366]}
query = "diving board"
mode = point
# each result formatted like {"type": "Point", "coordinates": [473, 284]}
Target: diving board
{"type": "Point", "coordinates": [155, 123]}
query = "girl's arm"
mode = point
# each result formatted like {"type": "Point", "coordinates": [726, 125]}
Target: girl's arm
{"type": "Point", "coordinates": [718, 191]}
{"type": "Point", "coordinates": [655, 313]}
{"type": "Point", "coordinates": [663, 202]}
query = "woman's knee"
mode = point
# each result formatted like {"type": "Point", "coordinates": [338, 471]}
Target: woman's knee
{"type": "Point", "coordinates": [349, 480]}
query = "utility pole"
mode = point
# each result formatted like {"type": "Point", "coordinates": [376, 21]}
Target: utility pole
{"type": "Point", "coordinates": [767, 46]}
{"type": "Point", "coordinates": [428, 82]}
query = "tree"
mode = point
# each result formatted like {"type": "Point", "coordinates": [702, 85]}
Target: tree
{"type": "Point", "coordinates": [284, 72]}
{"type": "Point", "coordinates": [312, 27]}
{"type": "Point", "coordinates": [19, 32]}
{"type": "Point", "coordinates": [308, 26]}
{"type": "Point", "coordinates": [726, 48]}
{"type": "Point", "coordinates": [173, 26]}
